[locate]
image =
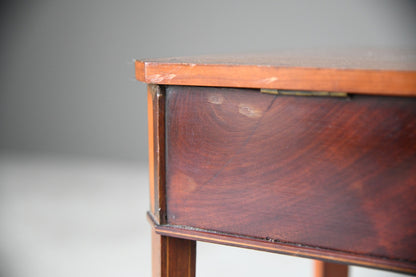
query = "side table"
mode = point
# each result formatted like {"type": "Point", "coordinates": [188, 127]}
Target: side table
{"type": "Point", "coordinates": [311, 154]}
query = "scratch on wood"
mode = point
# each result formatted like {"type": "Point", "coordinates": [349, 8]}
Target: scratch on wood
{"type": "Point", "coordinates": [270, 80]}
{"type": "Point", "coordinates": [158, 78]}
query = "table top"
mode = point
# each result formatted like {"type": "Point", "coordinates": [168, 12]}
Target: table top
{"type": "Point", "coordinates": [375, 71]}
{"type": "Point", "coordinates": [213, 148]}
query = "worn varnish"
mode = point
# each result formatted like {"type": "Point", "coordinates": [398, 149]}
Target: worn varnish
{"type": "Point", "coordinates": [371, 71]}
{"type": "Point", "coordinates": [326, 178]}
{"type": "Point", "coordinates": [326, 173]}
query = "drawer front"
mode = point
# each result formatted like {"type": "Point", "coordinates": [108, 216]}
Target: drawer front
{"type": "Point", "coordinates": [332, 173]}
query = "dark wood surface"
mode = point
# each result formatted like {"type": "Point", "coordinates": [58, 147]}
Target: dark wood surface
{"type": "Point", "coordinates": [298, 250]}
{"type": "Point", "coordinates": [173, 257]}
{"type": "Point", "coordinates": [381, 72]}
{"type": "Point", "coordinates": [323, 269]}
{"type": "Point", "coordinates": [325, 173]}
{"type": "Point", "coordinates": [156, 131]}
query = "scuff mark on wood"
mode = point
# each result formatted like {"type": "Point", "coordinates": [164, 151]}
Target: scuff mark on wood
{"type": "Point", "coordinates": [249, 111]}
{"type": "Point", "coordinates": [159, 78]}
{"type": "Point", "coordinates": [216, 99]}
{"type": "Point", "coordinates": [270, 80]}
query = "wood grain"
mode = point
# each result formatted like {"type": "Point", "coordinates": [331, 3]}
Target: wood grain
{"type": "Point", "coordinates": [365, 72]}
{"type": "Point", "coordinates": [173, 257]}
{"type": "Point", "coordinates": [336, 174]}
{"type": "Point", "coordinates": [325, 269]}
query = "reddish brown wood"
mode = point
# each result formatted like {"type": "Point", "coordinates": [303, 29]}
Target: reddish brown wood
{"type": "Point", "coordinates": [156, 125]}
{"type": "Point", "coordinates": [157, 255]}
{"type": "Point", "coordinates": [365, 72]}
{"type": "Point", "coordinates": [325, 269]}
{"type": "Point", "coordinates": [337, 174]}
{"type": "Point", "coordinates": [281, 247]}
{"type": "Point", "coordinates": [140, 71]}
{"type": "Point", "coordinates": [173, 257]}
{"type": "Point", "coordinates": [151, 135]}
{"type": "Point", "coordinates": [320, 178]}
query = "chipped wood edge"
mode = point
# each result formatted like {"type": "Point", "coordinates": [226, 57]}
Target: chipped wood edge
{"type": "Point", "coordinates": [376, 82]}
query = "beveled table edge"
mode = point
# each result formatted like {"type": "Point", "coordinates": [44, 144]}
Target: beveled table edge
{"type": "Point", "coordinates": [360, 80]}
{"type": "Point", "coordinates": [328, 255]}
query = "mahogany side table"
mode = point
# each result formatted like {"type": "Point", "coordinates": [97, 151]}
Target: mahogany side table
{"type": "Point", "coordinates": [301, 153]}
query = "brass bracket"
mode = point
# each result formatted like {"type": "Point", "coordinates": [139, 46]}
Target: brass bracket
{"type": "Point", "coordinates": [304, 93]}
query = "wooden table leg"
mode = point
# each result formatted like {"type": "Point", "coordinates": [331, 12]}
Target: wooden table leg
{"type": "Point", "coordinates": [325, 269]}
{"type": "Point", "coordinates": [173, 257]}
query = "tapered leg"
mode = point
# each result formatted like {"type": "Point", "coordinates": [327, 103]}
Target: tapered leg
{"type": "Point", "coordinates": [325, 269]}
{"type": "Point", "coordinates": [173, 257]}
